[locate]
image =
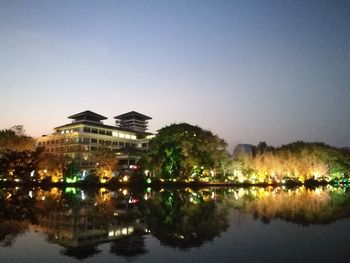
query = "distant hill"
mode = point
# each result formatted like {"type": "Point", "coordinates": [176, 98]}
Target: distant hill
{"type": "Point", "coordinates": [241, 149]}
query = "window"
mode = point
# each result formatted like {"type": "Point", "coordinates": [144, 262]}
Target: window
{"type": "Point", "coordinates": [93, 148]}
{"type": "Point", "coordinates": [101, 131]}
{"type": "Point", "coordinates": [93, 140]}
{"type": "Point", "coordinates": [121, 144]}
{"type": "Point", "coordinates": [115, 143]}
{"type": "Point", "coordinates": [93, 130]}
{"type": "Point", "coordinates": [109, 133]}
{"type": "Point", "coordinates": [87, 129]}
{"type": "Point", "coordinates": [144, 145]}
{"type": "Point", "coordinates": [127, 144]}
{"type": "Point", "coordinates": [101, 141]}
{"type": "Point", "coordinates": [86, 140]}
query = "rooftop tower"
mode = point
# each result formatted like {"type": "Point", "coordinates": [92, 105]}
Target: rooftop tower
{"type": "Point", "coordinates": [132, 121]}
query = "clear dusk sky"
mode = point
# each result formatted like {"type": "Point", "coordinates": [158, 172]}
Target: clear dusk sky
{"type": "Point", "coordinates": [250, 71]}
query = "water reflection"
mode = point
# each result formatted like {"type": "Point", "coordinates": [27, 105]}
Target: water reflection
{"type": "Point", "coordinates": [79, 220]}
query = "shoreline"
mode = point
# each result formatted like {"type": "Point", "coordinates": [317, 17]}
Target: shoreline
{"type": "Point", "coordinates": [169, 184]}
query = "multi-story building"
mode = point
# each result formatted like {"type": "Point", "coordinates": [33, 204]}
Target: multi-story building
{"type": "Point", "coordinates": [86, 133]}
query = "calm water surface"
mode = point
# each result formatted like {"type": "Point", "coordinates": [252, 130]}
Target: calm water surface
{"type": "Point", "coordinates": [182, 225]}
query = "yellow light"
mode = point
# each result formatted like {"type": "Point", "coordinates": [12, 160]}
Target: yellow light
{"type": "Point", "coordinates": [125, 178]}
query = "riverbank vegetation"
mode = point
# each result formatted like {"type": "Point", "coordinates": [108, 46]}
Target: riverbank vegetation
{"type": "Point", "coordinates": [178, 154]}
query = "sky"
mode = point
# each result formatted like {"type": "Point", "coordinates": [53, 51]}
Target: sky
{"type": "Point", "coordinates": [249, 71]}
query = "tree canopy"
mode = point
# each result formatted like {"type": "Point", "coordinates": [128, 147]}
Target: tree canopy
{"type": "Point", "coordinates": [15, 139]}
{"type": "Point", "coordinates": [183, 150]}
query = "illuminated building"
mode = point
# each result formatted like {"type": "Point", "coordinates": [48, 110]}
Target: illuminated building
{"type": "Point", "coordinates": [87, 132]}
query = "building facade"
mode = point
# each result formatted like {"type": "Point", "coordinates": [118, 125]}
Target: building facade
{"type": "Point", "coordinates": [87, 133]}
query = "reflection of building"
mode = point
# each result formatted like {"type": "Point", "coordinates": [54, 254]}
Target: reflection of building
{"type": "Point", "coordinates": [87, 222]}
{"type": "Point", "coordinates": [87, 132]}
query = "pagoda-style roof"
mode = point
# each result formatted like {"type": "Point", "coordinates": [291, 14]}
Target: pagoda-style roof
{"type": "Point", "coordinates": [132, 114]}
{"type": "Point", "coordinates": [86, 115]}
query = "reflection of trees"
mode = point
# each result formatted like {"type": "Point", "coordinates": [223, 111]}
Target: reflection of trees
{"type": "Point", "coordinates": [183, 220]}
{"type": "Point", "coordinates": [16, 213]}
{"type": "Point", "coordinates": [10, 229]}
{"type": "Point", "coordinates": [302, 206]}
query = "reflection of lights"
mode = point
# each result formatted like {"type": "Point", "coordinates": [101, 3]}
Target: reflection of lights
{"type": "Point", "coordinates": [43, 198]}
{"type": "Point", "coordinates": [115, 213]}
{"type": "Point", "coordinates": [124, 231]}
{"type": "Point", "coordinates": [111, 233]}
{"type": "Point", "coordinates": [30, 194]}
{"type": "Point", "coordinates": [71, 190]}
{"type": "Point", "coordinates": [125, 178]}
{"type": "Point", "coordinates": [125, 192]}
{"type": "Point", "coordinates": [83, 175]}
{"type": "Point", "coordinates": [32, 173]}
{"type": "Point", "coordinates": [133, 200]}
{"type": "Point", "coordinates": [82, 195]}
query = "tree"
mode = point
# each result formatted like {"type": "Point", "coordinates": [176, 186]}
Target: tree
{"type": "Point", "coordinates": [15, 139]}
{"type": "Point", "coordinates": [183, 150]}
{"type": "Point", "coordinates": [106, 163]}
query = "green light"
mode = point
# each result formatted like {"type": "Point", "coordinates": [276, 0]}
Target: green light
{"type": "Point", "coordinates": [149, 180]}
{"type": "Point", "coordinates": [71, 190]}
{"type": "Point", "coordinates": [148, 189]}
{"type": "Point", "coordinates": [71, 180]}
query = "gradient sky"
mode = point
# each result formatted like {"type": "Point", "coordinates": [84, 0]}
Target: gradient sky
{"type": "Point", "coordinates": [250, 71]}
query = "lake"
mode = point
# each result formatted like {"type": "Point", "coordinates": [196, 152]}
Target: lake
{"type": "Point", "coordinates": [175, 225]}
